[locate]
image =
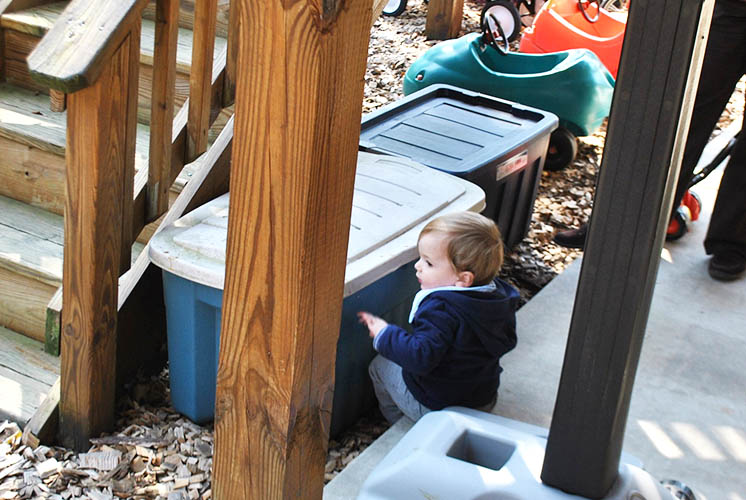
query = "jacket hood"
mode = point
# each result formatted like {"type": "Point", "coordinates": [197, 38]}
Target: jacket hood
{"type": "Point", "coordinates": [488, 313]}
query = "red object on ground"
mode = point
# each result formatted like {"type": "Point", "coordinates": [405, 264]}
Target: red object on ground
{"type": "Point", "coordinates": [691, 202]}
{"type": "Point", "coordinates": [561, 25]}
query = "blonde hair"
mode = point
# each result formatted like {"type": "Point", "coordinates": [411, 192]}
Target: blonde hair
{"type": "Point", "coordinates": [474, 243]}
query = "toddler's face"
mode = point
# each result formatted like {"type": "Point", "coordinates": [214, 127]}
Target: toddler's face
{"type": "Point", "coordinates": [434, 269]}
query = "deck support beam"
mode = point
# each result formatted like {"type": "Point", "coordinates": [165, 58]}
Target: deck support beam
{"type": "Point", "coordinates": [299, 90]}
{"type": "Point", "coordinates": [644, 143]}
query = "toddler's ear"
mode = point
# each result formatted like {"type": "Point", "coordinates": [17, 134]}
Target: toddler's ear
{"type": "Point", "coordinates": [465, 279]}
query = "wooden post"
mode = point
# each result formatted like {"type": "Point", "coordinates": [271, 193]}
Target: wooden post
{"type": "Point", "coordinates": [57, 101]}
{"type": "Point", "coordinates": [96, 175]}
{"type": "Point", "coordinates": [444, 19]}
{"type": "Point", "coordinates": [646, 134]}
{"type": "Point", "coordinates": [200, 77]}
{"type": "Point", "coordinates": [299, 92]}
{"type": "Point", "coordinates": [162, 107]}
{"type": "Point", "coordinates": [229, 82]}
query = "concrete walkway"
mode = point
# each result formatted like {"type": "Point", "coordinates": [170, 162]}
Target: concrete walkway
{"type": "Point", "coordinates": [687, 418]}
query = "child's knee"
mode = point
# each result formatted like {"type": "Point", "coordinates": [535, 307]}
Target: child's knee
{"type": "Point", "coordinates": [374, 367]}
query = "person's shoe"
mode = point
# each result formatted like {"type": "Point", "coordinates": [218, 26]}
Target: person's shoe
{"type": "Point", "coordinates": [726, 266]}
{"type": "Point", "coordinates": [572, 238]}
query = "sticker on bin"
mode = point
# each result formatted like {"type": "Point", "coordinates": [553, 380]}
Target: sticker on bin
{"type": "Point", "coordinates": [512, 164]}
{"type": "Point", "coordinates": [393, 198]}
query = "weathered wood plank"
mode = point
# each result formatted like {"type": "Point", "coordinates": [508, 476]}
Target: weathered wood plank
{"type": "Point", "coordinates": [297, 126]}
{"type": "Point", "coordinates": [200, 78]}
{"type": "Point", "coordinates": [93, 232]}
{"type": "Point", "coordinates": [162, 107]}
{"type": "Point", "coordinates": [22, 303]}
{"type": "Point", "coordinates": [22, 395]}
{"type": "Point", "coordinates": [30, 255]}
{"type": "Point", "coordinates": [444, 19]}
{"type": "Point", "coordinates": [25, 118]}
{"type": "Point", "coordinates": [74, 52]}
{"type": "Point", "coordinates": [32, 141]}
{"type": "Point", "coordinates": [43, 424]}
{"type": "Point", "coordinates": [32, 176]}
{"type": "Point", "coordinates": [17, 47]}
{"type": "Point", "coordinates": [27, 356]}
{"type": "Point", "coordinates": [35, 20]}
{"type": "Point", "coordinates": [31, 221]}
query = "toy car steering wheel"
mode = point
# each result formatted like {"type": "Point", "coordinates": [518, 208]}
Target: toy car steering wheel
{"type": "Point", "coordinates": [490, 25]}
{"type": "Point", "coordinates": [582, 7]}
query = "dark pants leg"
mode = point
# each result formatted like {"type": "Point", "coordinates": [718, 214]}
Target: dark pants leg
{"type": "Point", "coordinates": [723, 66]}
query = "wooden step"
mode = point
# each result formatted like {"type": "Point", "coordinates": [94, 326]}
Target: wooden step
{"type": "Point", "coordinates": [27, 374]}
{"type": "Point", "coordinates": [32, 145]}
{"type": "Point", "coordinates": [31, 251]}
{"type": "Point", "coordinates": [23, 29]}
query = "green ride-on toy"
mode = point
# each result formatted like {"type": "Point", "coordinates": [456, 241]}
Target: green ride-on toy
{"type": "Point", "coordinates": [572, 84]}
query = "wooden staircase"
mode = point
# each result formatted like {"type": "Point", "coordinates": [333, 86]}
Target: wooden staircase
{"type": "Point", "coordinates": [32, 196]}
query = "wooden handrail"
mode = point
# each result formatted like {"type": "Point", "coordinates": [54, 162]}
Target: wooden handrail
{"type": "Point", "coordinates": [74, 52]}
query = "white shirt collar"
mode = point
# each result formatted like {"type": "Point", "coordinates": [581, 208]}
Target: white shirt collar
{"type": "Point", "coordinates": [420, 296]}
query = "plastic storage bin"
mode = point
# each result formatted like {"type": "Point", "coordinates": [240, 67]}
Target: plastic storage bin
{"type": "Point", "coordinates": [498, 145]}
{"type": "Point", "coordinates": [393, 199]}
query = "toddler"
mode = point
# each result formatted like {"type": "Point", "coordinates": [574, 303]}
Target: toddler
{"type": "Point", "coordinates": [463, 321]}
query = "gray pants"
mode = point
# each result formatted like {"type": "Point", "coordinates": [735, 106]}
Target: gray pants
{"type": "Point", "coordinates": [394, 399]}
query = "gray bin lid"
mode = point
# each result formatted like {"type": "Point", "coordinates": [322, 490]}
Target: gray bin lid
{"type": "Point", "coordinates": [393, 199]}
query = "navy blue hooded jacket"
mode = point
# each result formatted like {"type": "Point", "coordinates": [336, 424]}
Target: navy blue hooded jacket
{"type": "Point", "coordinates": [452, 356]}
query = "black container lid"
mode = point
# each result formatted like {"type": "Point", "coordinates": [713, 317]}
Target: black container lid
{"type": "Point", "coordinates": [453, 129]}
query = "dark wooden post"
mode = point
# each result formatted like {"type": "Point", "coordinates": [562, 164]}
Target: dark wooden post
{"type": "Point", "coordinates": [299, 90]}
{"type": "Point", "coordinates": [97, 134]}
{"type": "Point", "coordinates": [444, 19]}
{"type": "Point", "coordinates": [200, 77]}
{"type": "Point", "coordinates": [649, 119]}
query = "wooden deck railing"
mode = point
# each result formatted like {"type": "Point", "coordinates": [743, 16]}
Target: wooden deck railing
{"type": "Point", "coordinates": [92, 54]}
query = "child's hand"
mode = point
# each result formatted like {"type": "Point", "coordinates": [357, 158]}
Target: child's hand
{"type": "Point", "coordinates": [374, 324]}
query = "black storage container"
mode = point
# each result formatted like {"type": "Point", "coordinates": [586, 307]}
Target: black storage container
{"type": "Point", "coordinates": [498, 145]}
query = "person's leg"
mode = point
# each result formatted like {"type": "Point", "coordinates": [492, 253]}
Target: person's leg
{"type": "Point", "coordinates": [722, 67]}
{"type": "Point", "coordinates": [726, 234]}
{"type": "Point", "coordinates": [394, 399]}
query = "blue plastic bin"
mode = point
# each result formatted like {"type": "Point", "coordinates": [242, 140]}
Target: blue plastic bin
{"type": "Point", "coordinates": [394, 198]}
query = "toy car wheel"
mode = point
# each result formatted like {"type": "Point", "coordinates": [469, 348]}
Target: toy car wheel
{"type": "Point", "coordinates": [563, 147]}
{"type": "Point", "coordinates": [506, 14]}
{"type": "Point", "coordinates": [694, 203]}
{"type": "Point", "coordinates": [679, 490]}
{"type": "Point", "coordinates": [394, 7]}
{"type": "Point", "coordinates": [584, 10]}
{"type": "Point", "coordinates": [677, 226]}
